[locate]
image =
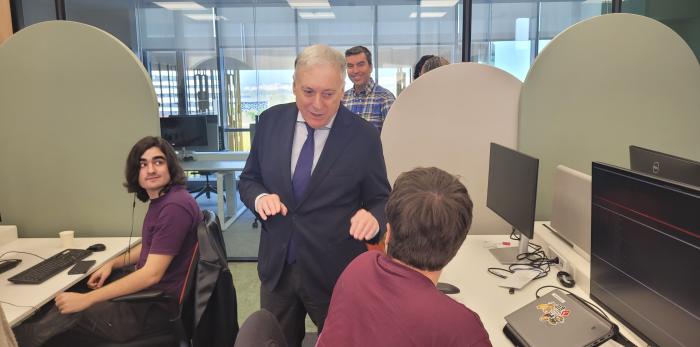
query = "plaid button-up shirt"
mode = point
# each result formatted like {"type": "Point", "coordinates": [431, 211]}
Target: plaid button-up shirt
{"type": "Point", "coordinates": [371, 103]}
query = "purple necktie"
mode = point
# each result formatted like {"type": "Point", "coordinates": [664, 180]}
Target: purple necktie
{"type": "Point", "coordinates": [300, 181]}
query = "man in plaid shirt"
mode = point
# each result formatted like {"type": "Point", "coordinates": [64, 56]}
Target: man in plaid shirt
{"type": "Point", "coordinates": [366, 98]}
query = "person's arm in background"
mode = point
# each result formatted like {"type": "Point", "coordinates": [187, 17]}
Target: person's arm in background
{"type": "Point", "coordinates": [387, 105]}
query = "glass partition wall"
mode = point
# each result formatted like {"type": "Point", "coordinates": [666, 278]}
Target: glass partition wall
{"type": "Point", "coordinates": [235, 58]}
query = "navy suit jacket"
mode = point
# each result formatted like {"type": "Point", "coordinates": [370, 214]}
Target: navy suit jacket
{"type": "Point", "coordinates": [350, 174]}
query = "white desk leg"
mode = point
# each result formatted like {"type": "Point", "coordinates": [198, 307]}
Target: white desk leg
{"type": "Point", "coordinates": [220, 197]}
{"type": "Point", "coordinates": [226, 210]}
{"type": "Point", "coordinates": [230, 178]}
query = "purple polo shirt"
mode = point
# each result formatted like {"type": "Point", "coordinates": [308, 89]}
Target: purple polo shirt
{"type": "Point", "coordinates": [170, 228]}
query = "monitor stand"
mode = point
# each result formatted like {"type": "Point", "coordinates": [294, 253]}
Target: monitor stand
{"type": "Point", "coordinates": [185, 154]}
{"type": "Point", "coordinates": [509, 255]}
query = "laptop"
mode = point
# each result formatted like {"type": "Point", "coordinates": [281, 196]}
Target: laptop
{"type": "Point", "coordinates": [557, 319]}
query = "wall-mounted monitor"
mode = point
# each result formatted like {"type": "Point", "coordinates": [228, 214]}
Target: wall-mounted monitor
{"type": "Point", "coordinates": [645, 253]}
{"type": "Point", "coordinates": [512, 194]}
{"type": "Point", "coordinates": [191, 133]}
{"type": "Point", "coordinates": [664, 165]}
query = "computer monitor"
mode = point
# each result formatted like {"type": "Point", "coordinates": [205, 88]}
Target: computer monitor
{"type": "Point", "coordinates": [645, 253]}
{"type": "Point", "coordinates": [512, 194]}
{"type": "Point", "coordinates": [191, 133]}
{"type": "Point", "coordinates": [571, 209]}
{"type": "Point", "coordinates": [664, 165]}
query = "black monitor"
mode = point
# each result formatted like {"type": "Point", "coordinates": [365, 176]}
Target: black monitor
{"type": "Point", "coordinates": [191, 133]}
{"type": "Point", "coordinates": [645, 253]}
{"type": "Point", "coordinates": [512, 194]}
{"type": "Point", "coordinates": [664, 165]}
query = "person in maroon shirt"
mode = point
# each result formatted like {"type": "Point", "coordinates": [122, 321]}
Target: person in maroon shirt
{"type": "Point", "coordinates": [162, 260]}
{"type": "Point", "coordinates": [391, 300]}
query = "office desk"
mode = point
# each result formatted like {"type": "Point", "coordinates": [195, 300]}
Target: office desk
{"type": "Point", "coordinates": [30, 297]}
{"type": "Point", "coordinates": [480, 292]}
{"type": "Point", "coordinates": [225, 174]}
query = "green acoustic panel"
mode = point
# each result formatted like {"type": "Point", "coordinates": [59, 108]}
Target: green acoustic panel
{"type": "Point", "coordinates": [602, 85]}
{"type": "Point", "coordinates": [73, 101]}
{"type": "Point", "coordinates": [447, 118]}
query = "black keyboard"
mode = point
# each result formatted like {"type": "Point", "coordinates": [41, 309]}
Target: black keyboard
{"type": "Point", "coordinates": [50, 267]}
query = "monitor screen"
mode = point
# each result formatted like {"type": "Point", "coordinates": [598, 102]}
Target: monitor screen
{"type": "Point", "coordinates": [512, 187]}
{"type": "Point", "coordinates": [664, 165]}
{"type": "Point", "coordinates": [190, 132]}
{"type": "Point", "coordinates": [645, 253]}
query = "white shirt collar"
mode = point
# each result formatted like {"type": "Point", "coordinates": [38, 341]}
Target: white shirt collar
{"type": "Point", "coordinates": [300, 119]}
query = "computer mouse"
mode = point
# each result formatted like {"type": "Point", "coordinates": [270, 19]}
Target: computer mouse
{"type": "Point", "coordinates": [7, 264]}
{"type": "Point", "coordinates": [566, 279]}
{"type": "Point", "coordinates": [98, 247]}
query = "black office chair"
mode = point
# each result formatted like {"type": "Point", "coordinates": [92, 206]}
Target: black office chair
{"type": "Point", "coordinates": [208, 189]}
{"type": "Point", "coordinates": [207, 312]}
{"type": "Point", "coordinates": [261, 329]}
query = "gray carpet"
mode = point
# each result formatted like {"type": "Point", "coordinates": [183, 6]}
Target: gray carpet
{"type": "Point", "coordinates": [241, 238]}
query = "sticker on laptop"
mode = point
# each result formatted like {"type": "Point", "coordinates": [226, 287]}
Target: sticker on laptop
{"type": "Point", "coordinates": [553, 313]}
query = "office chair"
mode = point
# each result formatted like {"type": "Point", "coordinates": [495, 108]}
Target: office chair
{"type": "Point", "coordinates": [207, 189]}
{"type": "Point", "coordinates": [207, 312]}
{"type": "Point", "coordinates": [261, 329]}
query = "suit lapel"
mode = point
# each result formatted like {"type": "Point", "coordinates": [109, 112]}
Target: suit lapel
{"type": "Point", "coordinates": [288, 125]}
{"type": "Point", "coordinates": [339, 135]}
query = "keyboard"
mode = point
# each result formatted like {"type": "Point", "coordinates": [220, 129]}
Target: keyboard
{"type": "Point", "coordinates": [50, 267]}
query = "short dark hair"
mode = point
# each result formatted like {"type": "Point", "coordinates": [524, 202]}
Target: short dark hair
{"type": "Point", "coordinates": [419, 65]}
{"type": "Point", "coordinates": [360, 49]}
{"type": "Point", "coordinates": [433, 63]}
{"type": "Point", "coordinates": [133, 166]}
{"type": "Point", "coordinates": [429, 212]}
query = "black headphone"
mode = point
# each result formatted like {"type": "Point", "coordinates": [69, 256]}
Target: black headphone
{"type": "Point", "coordinates": [566, 279]}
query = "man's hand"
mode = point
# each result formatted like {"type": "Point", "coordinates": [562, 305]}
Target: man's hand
{"type": "Point", "coordinates": [363, 225]}
{"type": "Point", "coordinates": [69, 302]}
{"type": "Point", "coordinates": [270, 205]}
{"type": "Point", "coordinates": [97, 279]}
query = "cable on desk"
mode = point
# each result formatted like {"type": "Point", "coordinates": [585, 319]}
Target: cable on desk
{"type": "Point", "coordinates": [535, 260]}
{"type": "Point", "coordinates": [11, 304]}
{"type": "Point", "coordinates": [38, 256]}
{"type": "Point", "coordinates": [588, 303]}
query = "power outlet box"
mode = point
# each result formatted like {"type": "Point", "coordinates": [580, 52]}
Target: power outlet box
{"type": "Point", "coordinates": [564, 265]}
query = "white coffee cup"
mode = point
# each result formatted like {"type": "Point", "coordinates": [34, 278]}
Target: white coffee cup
{"type": "Point", "coordinates": [67, 238]}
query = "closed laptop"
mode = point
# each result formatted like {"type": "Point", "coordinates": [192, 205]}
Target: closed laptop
{"type": "Point", "coordinates": [557, 319]}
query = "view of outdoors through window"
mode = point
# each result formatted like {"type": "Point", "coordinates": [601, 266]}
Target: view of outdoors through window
{"type": "Point", "coordinates": [192, 49]}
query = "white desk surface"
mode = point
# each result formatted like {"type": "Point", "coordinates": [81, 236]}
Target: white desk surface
{"type": "Point", "coordinates": [480, 292]}
{"type": "Point", "coordinates": [213, 165]}
{"type": "Point", "coordinates": [34, 296]}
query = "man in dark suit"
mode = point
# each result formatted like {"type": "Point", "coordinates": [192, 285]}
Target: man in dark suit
{"type": "Point", "coordinates": [316, 177]}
